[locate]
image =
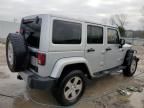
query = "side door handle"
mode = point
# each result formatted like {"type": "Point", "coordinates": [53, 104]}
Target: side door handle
{"type": "Point", "coordinates": [91, 50]}
{"type": "Point", "coordinates": [108, 49]}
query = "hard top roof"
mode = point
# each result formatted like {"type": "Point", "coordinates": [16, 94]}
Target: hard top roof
{"type": "Point", "coordinates": [72, 18]}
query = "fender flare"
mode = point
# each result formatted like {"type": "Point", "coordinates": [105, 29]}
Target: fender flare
{"type": "Point", "coordinates": [60, 64]}
{"type": "Point", "coordinates": [128, 57]}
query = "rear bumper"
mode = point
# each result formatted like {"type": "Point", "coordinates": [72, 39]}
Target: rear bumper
{"type": "Point", "coordinates": [36, 82]}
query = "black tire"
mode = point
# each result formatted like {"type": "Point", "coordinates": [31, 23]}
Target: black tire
{"type": "Point", "coordinates": [59, 91]}
{"type": "Point", "coordinates": [20, 52]}
{"type": "Point", "coordinates": [127, 71]}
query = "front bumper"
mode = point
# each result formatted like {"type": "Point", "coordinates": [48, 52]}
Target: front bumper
{"type": "Point", "coordinates": [37, 82]}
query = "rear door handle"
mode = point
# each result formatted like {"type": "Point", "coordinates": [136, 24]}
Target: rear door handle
{"type": "Point", "coordinates": [91, 50]}
{"type": "Point", "coordinates": [108, 49]}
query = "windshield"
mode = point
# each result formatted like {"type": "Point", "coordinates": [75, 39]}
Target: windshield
{"type": "Point", "coordinates": [31, 30]}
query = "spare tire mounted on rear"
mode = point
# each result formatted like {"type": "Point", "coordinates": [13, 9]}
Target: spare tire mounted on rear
{"type": "Point", "coordinates": [16, 52]}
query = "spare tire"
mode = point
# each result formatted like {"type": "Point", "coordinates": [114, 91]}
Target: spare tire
{"type": "Point", "coordinates": [16, 52]}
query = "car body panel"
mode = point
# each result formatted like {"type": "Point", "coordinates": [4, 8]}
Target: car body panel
{"type": "Point", "coordinates": [60, 55]}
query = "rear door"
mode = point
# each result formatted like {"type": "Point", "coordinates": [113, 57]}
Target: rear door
{"type": "Point", "coordinates": [31, 31]}
{"type": "Point", "coordinates": [114, 54]}
{"type": "Point", "coordinates": [94, 51]}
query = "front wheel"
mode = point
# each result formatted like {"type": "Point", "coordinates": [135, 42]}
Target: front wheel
{"type": "Point", "coordinates": [130, 70]}
{"type": "Point", "coordinates": [70, 88]}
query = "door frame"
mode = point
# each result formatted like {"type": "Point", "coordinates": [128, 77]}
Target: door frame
{"type": "Point", "coordinates": [92, 45]}
{"type": "Point", "coordinates": [113, 61]}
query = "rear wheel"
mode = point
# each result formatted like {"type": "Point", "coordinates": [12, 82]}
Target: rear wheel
{"type": "Point", "coordinates": [130, 70]}
{"type": "Point", "coordinates": [70, 88]}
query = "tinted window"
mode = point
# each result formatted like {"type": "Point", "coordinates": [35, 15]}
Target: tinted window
{"type": "Point", "coordinates": [65, 32]}
{"type": "Point", "coordinates": [112, 36]}
{"type": "Point", "coordinates": [31, 29]}
{"type": "Point", "coordinates": [94, 35]}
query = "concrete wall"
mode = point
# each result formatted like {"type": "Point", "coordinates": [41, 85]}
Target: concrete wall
{"type": "Point", "coordinates": [6, 28]}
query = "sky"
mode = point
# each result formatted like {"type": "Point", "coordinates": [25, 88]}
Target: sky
{"type": "Point", "coordinates": [98, 10]}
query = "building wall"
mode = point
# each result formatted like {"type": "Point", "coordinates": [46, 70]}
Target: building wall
{"type": "Point", "coordinates": [7, 27]}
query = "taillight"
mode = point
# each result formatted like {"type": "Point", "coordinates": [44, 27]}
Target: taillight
{"type": "Point", "coordinates": [41, 58]}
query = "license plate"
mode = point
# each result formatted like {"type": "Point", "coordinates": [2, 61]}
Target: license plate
{"type": "Point", "coordinates": [34, 61]}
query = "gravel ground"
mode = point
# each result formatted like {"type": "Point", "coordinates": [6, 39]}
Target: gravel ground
{"type": "Point", "coordinates": [100, 93]}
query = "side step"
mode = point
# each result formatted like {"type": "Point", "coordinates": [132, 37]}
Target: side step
{"type": "Point", "coordinates": [105, 72]}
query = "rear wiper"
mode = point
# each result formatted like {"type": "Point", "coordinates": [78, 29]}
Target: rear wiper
{"type": "Point", "coordinates": [27, 21]}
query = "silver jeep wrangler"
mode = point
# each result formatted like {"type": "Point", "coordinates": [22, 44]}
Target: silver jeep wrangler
{"type": "Point", "coordinates": [59, 53]}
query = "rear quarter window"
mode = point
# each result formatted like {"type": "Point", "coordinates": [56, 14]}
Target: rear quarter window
{"type": "Point", "coordinates": [65, 32]}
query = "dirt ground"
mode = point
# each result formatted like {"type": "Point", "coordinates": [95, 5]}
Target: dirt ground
{"type": "Point", "coordinates": [100, 93]}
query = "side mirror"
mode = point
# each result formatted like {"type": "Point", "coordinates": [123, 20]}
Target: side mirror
{"type": "Point", "coordinates": [122, 42]}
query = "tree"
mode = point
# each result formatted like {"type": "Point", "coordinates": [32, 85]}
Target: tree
{"type": "Point", "coordinates": [119, 21]}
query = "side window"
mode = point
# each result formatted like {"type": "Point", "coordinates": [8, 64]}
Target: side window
{"type": "Point", "coordinates": [112, 35]}
{"type": "Point", "coordinates": [65, 32]}
{"type": "Point", "coordinates": [94, 34]}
